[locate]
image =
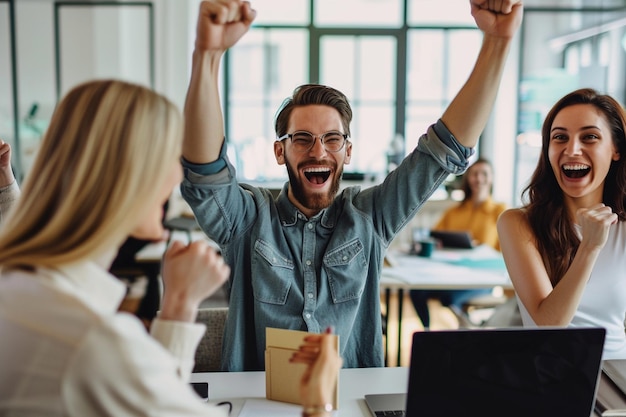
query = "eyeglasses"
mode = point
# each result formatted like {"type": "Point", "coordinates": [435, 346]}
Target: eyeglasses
{"type": "Point", "coordinates": [304, 141]}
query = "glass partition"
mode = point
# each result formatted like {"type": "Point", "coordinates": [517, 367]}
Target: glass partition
{"type": "Point", "coordinates": [579, 49]}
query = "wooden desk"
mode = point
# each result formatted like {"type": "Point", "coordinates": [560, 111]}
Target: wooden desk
{"type": "Point", "coordinates": [446, 269]}
{"type": "Point", "coordinates": [236, 387]}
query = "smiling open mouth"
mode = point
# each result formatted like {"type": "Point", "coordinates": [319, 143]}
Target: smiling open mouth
{"type": "Point", "coordinates": [575, 170]}
{"type": "Point", "coordinates": [317, 175]}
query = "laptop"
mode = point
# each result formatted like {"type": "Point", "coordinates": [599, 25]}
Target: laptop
{"type": "Point", "coordinates": [460, 239]}
{"type": "Point", "coordinates": [521, 372]}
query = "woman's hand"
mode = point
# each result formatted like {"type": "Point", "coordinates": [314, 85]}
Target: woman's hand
{"type": "Point", "coordinates": [191, 273]}
{"type": "Point", "coordinates": [6, 173]}
{"type": "Point", "coordinates": [595, 223]}
{"type": "Point", "coordinates": [317, 387]}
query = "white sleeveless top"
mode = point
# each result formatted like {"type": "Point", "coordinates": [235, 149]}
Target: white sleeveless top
{"type": "Point", "coordinates": [603, 303]}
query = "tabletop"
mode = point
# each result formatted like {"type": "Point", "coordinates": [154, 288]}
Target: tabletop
{"type": "Point", "coordinates": [480, 267]}
{"type": "Point", "coordinates": [444, 269]}
{"type": "Point", "coordinates": [248, 389]}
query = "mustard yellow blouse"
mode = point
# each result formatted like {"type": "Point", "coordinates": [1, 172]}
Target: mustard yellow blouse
{"type": "Point", "coordinates": [479, 220]}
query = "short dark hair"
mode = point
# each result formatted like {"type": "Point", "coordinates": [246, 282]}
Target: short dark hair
{"type": "Point", "coordinates": [308, 94]}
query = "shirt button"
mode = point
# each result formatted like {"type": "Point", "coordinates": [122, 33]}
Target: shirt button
{"type": "Point", "coordinates": [310, 226]}
{"type": "Point", "coordinates": [310, 295]}
{"type": "Point", "coordinates": [345, 258]}
{"type": "Point", "coordinates": [308, 263]}
{"type": "Point", "coordinates": [307, 315]}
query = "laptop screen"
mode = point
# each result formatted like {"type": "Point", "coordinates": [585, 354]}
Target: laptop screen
{"type": "Point", "coordinates": [543, 372]}
{"type": "Point", "coordinates": [453, 239]}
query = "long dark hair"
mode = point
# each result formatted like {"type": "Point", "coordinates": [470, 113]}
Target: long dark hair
{"type": "Point", "coordinates": [548, 218]}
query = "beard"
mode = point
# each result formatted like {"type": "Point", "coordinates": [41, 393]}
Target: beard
{"type": "Point", "coordinates": [313, 201]}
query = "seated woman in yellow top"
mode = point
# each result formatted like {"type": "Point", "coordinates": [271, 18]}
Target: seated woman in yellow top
{"type": "Point", "coordinates": [477, 213]}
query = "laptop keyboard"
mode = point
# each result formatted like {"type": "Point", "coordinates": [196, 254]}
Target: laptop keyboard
{"type": "Point", "coordinates": [390, 413]}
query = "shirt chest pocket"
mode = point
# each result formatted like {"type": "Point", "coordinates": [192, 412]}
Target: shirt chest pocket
{"type": "Point", "coordinates": [346, 267]}
{"type": "Point", "coordinates": [273, 273]}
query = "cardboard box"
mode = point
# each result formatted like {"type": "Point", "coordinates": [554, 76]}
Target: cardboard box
{"type": "Point", "coordinates": [282, 378]}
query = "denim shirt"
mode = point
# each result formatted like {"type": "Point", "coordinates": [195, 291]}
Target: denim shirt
{"type": "Point", "coordinates": [293, 272]}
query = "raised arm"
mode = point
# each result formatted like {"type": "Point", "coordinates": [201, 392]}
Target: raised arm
{"type": "Point", "coordinates": [221, 23]}
{"type": "Point", "coordinates": [467, 114]}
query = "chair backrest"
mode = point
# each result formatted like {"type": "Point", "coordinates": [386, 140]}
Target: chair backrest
{"type": "Point", "coordinates": [209, 352]}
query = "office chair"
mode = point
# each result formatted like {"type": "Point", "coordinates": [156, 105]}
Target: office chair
{"type": "Point", "coordinates": [209, 353]}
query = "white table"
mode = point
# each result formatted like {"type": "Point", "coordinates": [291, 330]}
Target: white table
{"type": "Point", "coordinates": [446, 269]}
{"type": "Point", "coordinates": [153, 252]}
{"type": "Point", "coordinates": [236, 387]}
{"type": "Point", "coordinates": [481, 267]}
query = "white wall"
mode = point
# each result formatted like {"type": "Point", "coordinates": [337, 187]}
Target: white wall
{"type": "Point", "coordinates": [35, 45]}
{"type": "Point", "coordinates": [107, 47]}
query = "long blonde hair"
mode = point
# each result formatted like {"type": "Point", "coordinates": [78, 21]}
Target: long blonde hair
{"type": "Point", "coordinates": [101, 162]}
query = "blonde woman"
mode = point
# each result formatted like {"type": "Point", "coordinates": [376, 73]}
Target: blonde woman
{"type": "Point", "coordinates": [108, 162]}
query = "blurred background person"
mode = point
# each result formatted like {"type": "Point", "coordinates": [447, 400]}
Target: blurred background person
{"type": "Point", "coordinates": [476, 213]}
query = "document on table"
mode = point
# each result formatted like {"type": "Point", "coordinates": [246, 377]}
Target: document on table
{"type": "Point", "coordinates": [260, 407]}
{"type": "Point", "coordinates": [455, 269]}
{"type": "Point", "coordinates": [480, 257]}
{"type": "Point", "coordinates": [436, 274]}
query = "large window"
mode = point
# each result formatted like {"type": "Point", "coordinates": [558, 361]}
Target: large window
{"type": "Point", "coordinates": [439, 62]}
{"type": "Point", "coordinates": [263, 69]}
{"type": "Point", "coordinates": [399, 63]}
{"type": "Point", "coordinates": [369, 81]}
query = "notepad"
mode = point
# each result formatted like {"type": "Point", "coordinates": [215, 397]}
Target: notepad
{"type": "Point", "coordinates": [258, 407]}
